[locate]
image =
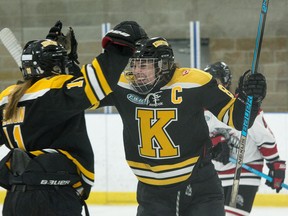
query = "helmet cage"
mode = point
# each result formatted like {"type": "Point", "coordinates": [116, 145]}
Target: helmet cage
{"type": "Point", "coordinates": [153, 59]}
{"type": "Point", "coordinates": [143, 73]}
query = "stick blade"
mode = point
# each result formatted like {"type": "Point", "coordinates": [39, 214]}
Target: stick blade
{"type": "Point", "coordinates": [11, 44]}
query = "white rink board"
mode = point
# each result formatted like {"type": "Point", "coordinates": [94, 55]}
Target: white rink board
{"type": "Point", "coordinates": [112, 173]}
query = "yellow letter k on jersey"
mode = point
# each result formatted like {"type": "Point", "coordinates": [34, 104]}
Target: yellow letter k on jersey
{"type": "Point", "coordinates": [155, 142]}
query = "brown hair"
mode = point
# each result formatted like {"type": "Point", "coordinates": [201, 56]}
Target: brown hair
{"type": "Point", "coordinates": [14, 97]}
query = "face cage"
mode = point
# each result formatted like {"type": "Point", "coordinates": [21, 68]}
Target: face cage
{"type": "Point", "coordinates": [143, 74]}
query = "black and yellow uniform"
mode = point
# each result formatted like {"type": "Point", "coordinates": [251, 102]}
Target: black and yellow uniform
{"type": "Point", "coordinates": [167, 141]}
{"type": "Point", "coordinates": [50, 128]}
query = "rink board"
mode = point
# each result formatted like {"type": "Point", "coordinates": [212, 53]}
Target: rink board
{"type": "Point", "coordinates": [115, 182]}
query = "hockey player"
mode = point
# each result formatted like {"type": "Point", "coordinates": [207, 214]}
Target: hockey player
{"type": "Point", "coordinates": [50, 168]}
{"type": "Point", "coordinates": [260, 145]}
{"type": "Point", "coordinates": [166, 137]}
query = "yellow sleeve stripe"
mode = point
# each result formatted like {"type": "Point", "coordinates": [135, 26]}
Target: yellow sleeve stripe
{"type": "Point", "coordinates": [8, 164]}
{"type": "Point", "coordinates": [101, 77]}
{"type": "Point", "coordinates": [225, 108]}
{"type": "Point", "coordinates": [77, 184]}
{"type": "Point", "coordinates": [97, 86]}
{"type": "Point", "coordinates": [87, 173]}
{"type": "Point", "coordinates": [230, 122]}
{"type": "Point", "coordinates": [163, 167]}
{"type": "Point", "coordinates": [37, 152]}
{"type": "Point", "coordinates": [164, 182]}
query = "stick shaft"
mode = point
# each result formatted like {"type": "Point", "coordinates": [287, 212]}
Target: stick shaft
{"type": "Point", "coordinates": [257, 172]}
{"type": "Point", "coordinates": [11, 44]}
{"type": "Point", "coordinates": [242, 143]}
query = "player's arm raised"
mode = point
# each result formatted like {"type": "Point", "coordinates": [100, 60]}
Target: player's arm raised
{"type": "Point", "coordinates": [103, 73]}
{"type": "Point", "coordinates": [230, 109]}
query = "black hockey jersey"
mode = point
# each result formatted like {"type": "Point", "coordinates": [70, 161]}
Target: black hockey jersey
{"type": "Point", "coordinates": [165, 132]}
{"type": "Point", "coordinates": [50, 115]}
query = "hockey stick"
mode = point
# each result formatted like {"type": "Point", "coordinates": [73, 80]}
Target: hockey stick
{"type": "Point", "coordinates": [12, 45]}
{"type": "Point", "coordinates": [242, 142]}
{"type": "Point", "coordinates": [257, 172]}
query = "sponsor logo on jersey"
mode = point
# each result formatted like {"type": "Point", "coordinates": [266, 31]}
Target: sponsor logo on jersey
{"type": "Point", "coordinates": [152, 99]}
{"type": "Point", "coordinates": [137, 99]}
{"type": "Point", "coordinates": [185, 72]}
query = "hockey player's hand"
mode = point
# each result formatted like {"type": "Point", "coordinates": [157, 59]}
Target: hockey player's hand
{"type": "Point", "coordinates": [73, 62]}
{"type": "Point", "coordinates": [277, 172]}
{"type": "Point", "coordinates": [68, 41]}
{"type": "Point", "coordinates": [55, 31]}
{"type": "Point", "coordinates": [252, 85]}
{"type": "Point", "coordinates": [71, 40]}
{"type": "Point", "coordinates": [220, 149]}
{"type": "Point", "coordinates": [124, 34]}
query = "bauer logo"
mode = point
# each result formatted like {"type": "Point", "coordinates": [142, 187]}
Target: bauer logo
{"type": "Point", "coordinates": [55, 182]}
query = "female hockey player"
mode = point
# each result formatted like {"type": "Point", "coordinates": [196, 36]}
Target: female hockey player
{"type": "Point", "coordinates": [50, 168]}
{"type": "Point", "coordinates": [166, 137]}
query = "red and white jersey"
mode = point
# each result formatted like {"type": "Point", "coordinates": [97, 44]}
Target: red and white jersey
{"type": "Point", "coordinates": [260, 145]}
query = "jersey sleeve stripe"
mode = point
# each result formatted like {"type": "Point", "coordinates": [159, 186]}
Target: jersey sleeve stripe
{"type": "Point", "coordinates": [230, 121]}
{"type": "Point", "coordinates": [101, 77]}
{"type": "Point", "coordinates": [91, 84]}
{"type": "Point", "coordinates": [225, 109]}
{"type": "Point", "coordinates": [86, 172]}
{"type": "Point", "coordinates": [86, 175]}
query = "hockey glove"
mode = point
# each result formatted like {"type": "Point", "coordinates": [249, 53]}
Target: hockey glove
{"type": "Point", "coordinates": [124, 34]}
{"type": "Point", "coordinates": [55, 31]}
{"type": "Point", "coordinates": [68, 41]}
{"type": "Point", "coordinates": [71, 40]}
{"type": "Point", "coordinates": [220, 147]}
{"type": "Point", "coordinates": [252, 85]}
{"type": "Point", "coordinates": [277, 172]}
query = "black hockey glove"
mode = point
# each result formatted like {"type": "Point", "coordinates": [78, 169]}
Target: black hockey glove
{"type": "Point", "coordinates": [68, 41]}
{"type": "Point", "coordinates": [55, 31]}
{"type": "Point", "coordinates": [124, 34]}
{"type": "Point", "coordinates": [252, 85]}
{"type": "Point", "coordinates": [277, 172]}
{"type": "Point", "coordinates": [71, 40]}
{"type": "Point", "coordinates": [221, 139]}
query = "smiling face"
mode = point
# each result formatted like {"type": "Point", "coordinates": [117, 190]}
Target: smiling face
{"type": "Point", "coordinates": [141, 74]}
{"type": "Point", "coordinates": [143, 71]}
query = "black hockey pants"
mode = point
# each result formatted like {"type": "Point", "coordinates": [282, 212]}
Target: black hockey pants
{"type": "Point", "coordinates": [201, 195]}
{"type": "Point", "coordinates": [42, 201]}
